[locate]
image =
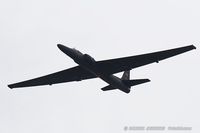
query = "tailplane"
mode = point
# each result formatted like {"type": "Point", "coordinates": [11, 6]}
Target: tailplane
{"type": "Point", "coordinates": [126, 80]}
{"type": "Point", "coordinates": [125, 76]}
{"type": "Point", "coordinates": [107, 88]}
{"type": "Point", "coordinates": [135, 82]}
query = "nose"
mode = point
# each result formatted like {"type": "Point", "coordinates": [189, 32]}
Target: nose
{"type": "Point", "coordinates": [62, 47]}
{"type": "Point", "coordinates": [65, 49]}
{"type": "Point", "coordinates": [59, 46]}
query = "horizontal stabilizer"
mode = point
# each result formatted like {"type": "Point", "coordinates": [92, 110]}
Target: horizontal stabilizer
{"type": "Point", "coordinates": [135, 82]}
{"type": "Point", "coordinates": [107, 88]}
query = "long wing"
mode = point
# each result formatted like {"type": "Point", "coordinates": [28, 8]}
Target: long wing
{"type": "Point", "coordinates": [127, 63]}
{"type": "Point", "coordinates": [72, 74]}
{"type": "Point", "coordinates": [106, 66]}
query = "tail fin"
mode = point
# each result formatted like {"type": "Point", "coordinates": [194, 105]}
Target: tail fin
{"type": "Point", "coordinates": [126, 75]}
{"type": "Point", "coordinates": [126, 80]}
{"type": "Point", "coordinates": [135, 82]}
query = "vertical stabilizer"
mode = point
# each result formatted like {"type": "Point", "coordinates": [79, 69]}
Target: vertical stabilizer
{"type": "Point", "coordinates": [126, 75]}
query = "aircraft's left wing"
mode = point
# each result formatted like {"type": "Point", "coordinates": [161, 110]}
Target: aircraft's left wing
{"type": "Point", "coordinates": [123, 64]}
{"type": "Point", "coordinates": [68, 75]}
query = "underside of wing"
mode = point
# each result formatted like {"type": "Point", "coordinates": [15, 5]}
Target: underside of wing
{"type": "Point", "coordinates": [127, 63]}
{"type": "Point", "coordinates": [73, 74]}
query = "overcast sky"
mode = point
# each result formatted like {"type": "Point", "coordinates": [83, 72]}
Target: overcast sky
{"type": "Point", "coordinates": [105, 29]}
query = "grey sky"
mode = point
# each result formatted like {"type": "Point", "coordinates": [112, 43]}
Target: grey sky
{"type": "Point", "coordinates": [104, 29]}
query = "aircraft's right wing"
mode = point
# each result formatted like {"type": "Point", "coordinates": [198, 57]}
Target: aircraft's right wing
{"type": "Point", "coordinates": [127, 63]}
{"type": "Point", "coordinates": [72, 74]}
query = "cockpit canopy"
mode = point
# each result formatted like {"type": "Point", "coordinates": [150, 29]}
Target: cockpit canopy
{"type": "Point", "coordinates": [77, 51]}
{"type": "Point", "coordinates": [88, 58]}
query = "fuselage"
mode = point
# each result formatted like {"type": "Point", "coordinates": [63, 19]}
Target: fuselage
{"type": "Point", "coordinates": [88, 63]}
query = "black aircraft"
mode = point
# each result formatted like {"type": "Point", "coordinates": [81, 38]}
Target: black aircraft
{"type": "Point", "coordinates": [89, 68]}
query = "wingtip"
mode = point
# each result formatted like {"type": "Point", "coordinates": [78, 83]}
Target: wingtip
{"type": "Point", "coordinates": [194, 47]}
{"type": "Point", "coordinates": [10, 86]}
